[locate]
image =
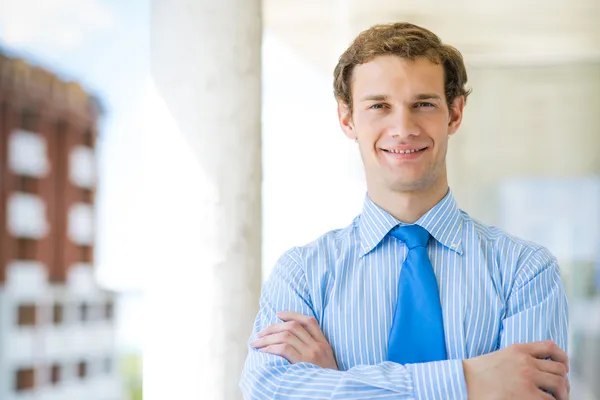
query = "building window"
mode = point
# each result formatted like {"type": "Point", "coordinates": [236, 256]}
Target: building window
{"type": "Point", "coordinates": [82, 369]}
{"type": "Point", "coordinates": [57, 314]}
{"type": "Point", "coordinates": [26, 249]}
{"type": "Point", "coordinates": [87, 196]}
{"type": "Point", "coordinates": [25, 379]}
{"type": "Point", "coordinates": [88, 138]}
{"type": "Point", "coordinates": [55, 374]}
{"type": "Point", "coordinates": [26, 315]}
{"type": "Point", "coordinates": [108, 365]}
{"type": "Point", "coordinates": [29, 120]}
{"type": "Point", "coordinates": [84, 312]}
{"type": "Point", "coordinates": [85, 254]}
{"type": "Point", "coordinates": [27, 184]}
{"type": "Point", "coordinates": [109, 309]}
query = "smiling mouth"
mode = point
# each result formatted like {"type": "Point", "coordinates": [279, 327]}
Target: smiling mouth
{"type": "Point", "coordinates": [394, 151]}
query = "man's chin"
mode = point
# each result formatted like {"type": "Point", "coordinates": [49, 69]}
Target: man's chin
{"type": "Point", "coordinates": [409, 184]}
{"type": "Point", "coordinates": [407, 188]}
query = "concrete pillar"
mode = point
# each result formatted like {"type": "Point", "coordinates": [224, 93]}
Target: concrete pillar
{"type": "Point", "coordinates": [206, 64]}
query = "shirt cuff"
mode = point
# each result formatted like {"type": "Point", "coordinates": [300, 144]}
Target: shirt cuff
{"type": "Point", "coordinates": [439, 380]}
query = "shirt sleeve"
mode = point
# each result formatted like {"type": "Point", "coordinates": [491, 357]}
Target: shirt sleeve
{"type": "Point", "coordinates": [537, 306]}
{"type": "Point", "coordinates": [267, 376]}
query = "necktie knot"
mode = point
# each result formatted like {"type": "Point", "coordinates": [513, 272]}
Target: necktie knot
{"type": "Point", "coordinates": [412, 235]}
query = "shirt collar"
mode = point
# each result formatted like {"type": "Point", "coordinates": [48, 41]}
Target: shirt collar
{"type": "Point", "coordinates": [443, 222]}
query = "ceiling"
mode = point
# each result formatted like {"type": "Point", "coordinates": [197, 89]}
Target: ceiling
{"type": "Point", "coordinates": [485, 31]}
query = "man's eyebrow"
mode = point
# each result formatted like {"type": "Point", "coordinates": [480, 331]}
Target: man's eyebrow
{"type": "Point", "coordinates": [375, 97]}
{"type": "Point", "coordinates": [427, 96]}
{"type": "Point", "coordinates": [384, 97]}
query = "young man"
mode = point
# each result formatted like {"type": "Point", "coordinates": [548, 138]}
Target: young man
{"type": "Point", "coordinates": [414, 299]}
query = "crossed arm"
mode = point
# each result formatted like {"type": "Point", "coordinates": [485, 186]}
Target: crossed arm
{"type": "Point", "coordinates": [289, 357]}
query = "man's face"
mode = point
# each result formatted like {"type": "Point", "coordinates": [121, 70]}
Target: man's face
{"type": "Point", "coordinates": [402, 122]}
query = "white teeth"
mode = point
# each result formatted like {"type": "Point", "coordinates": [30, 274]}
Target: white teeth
{"type": "Point", "coordinates": [403, 151]}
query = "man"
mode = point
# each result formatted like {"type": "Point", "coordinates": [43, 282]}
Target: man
{"type": "Point", "coordinates": [414, 299]}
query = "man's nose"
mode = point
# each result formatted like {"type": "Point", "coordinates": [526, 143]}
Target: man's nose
{"type": "Point", "coordinates": [404, 124]}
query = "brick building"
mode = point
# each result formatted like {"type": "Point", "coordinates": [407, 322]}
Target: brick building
{"type": "Point", "coordinates": [56, 326]}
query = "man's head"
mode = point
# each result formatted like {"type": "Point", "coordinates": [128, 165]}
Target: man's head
{"type": "Point", "coordinates": [400, 89]}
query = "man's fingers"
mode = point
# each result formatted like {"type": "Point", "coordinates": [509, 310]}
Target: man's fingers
{"type": "Point", "coordinates": [309, 323]}
{"type": "Point", "coordinates": [284, 350]}
{"type": "Point", "coordinates": [293, 316]}
{"type": "Point", "coordinates": [279, 338]}
{"type": "Point", "coordinates": [271, 329]}
{"type": "Point", "coordinates": [312, 325]}
{"type": "Point", "coordinates": [556, 369]}
{"type": "Point", "coordinates": [546, 396]}
{"type": "Point", "coordinates": [551, 367]}
{"type": "Point", "coordinates": [547, 349]}
{"type": "Point", "coordinates": [557, 385]}
{"type": "Point", "coordinates": [290, 326]}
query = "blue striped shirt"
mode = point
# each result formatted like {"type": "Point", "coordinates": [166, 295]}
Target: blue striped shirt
{"type": "Point", "coordinates": [495, 290]}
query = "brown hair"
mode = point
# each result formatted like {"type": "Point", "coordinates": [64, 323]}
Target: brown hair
{"type": "Point", "coordinates": [404, 40]}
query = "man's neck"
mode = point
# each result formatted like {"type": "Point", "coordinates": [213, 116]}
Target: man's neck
{"type": "Point", "coordinates": [409, 206]}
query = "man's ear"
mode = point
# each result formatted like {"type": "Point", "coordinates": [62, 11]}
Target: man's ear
{"type": "Point", "coordinates": [456, 114]}
{"type": "Point", "coordinates": [345, 118]}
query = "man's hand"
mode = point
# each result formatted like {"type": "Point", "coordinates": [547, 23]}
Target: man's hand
{"type": "Point", "coordinates": [297, 339]}
{"type": "Point", "coordinates": [521, 371]}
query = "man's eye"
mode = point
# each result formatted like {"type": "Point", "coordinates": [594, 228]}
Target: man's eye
{"type": "Point", "coordinates": [377, 106]}
{"type": "Point", "coordinates": [425, 104]}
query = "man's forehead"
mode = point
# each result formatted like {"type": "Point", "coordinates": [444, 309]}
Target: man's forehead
{"type": "Point", "coordinates": [386, 75]}
{"type": "Point", "coordinates": [392, 61]}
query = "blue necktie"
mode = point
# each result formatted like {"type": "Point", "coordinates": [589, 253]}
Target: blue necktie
{"type": "Point", "coordinates": [417, 333]}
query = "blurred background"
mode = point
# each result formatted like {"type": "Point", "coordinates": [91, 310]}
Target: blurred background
{"type": "Point", "coordinates": [110, 187]}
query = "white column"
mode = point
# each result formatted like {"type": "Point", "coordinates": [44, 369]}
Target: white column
{"type": "Point", "coordinates": [206, 64]}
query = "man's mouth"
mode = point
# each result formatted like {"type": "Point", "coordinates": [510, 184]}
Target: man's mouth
{"type": "Point", "coordinates": [406, 151]}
